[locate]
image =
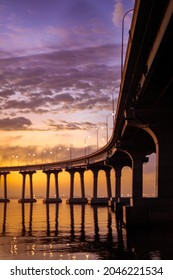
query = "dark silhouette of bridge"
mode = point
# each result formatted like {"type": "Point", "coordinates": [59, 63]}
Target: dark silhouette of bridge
{"type": "Point", "coordinates": [143, 125]}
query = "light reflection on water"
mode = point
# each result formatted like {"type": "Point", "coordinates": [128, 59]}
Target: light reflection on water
{"type": "Point", "coordinates": [65, 231]}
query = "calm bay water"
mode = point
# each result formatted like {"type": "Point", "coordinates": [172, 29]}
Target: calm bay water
{"type": "Point", "coordinates": [63, 231]}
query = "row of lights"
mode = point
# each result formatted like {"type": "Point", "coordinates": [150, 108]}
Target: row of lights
{"type": "Point", "coordinates": [51, 153]}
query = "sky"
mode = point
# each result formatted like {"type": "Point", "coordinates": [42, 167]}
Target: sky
{"type": "Point", "coordinates": [59, 65]}
{"type": "Point", "coordinates": [59, 76]}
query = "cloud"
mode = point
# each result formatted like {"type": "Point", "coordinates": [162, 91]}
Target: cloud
{"type": "Point", "coordinates": [63, 97]}
{"type": "Point", "coordinates": [64, 80]}
{"type": "Point", "coordinates": [118, 12]}
{"type": "Point", "coordinates": [6, 93]}
{"type": "Point", "coordinates": [64, 125]}
{"type": "Point", "coordinates": [19, 123]}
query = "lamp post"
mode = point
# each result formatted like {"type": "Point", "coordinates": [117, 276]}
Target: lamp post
{"type": "Point", "coordinates": [27, 161]}
{"type": "Point", "coordinates": [113, 99]}
{"type": "Point", "coordinates": [17, 158]}
{"type": "Point", "coordinates": [44, 152]}
{"type": "Point", "coordinates": [51, 153]}
{"type": "Point", "coordinates": [122, 41]}
{"type": "Point", "coordinates": [101, 127]}
{"type": "Point", "coordinates": [35, 158]}
{"type": "Point", "coordinates": [107, 124]}
{"type": "Point", "coordinates": [12, 157]}
{"type": "Point", "coordinates": [59, 148]}
{"type": "Point", "coordinates": [87, 137]}
{"type": "Point", "coordinates": [70, 150]}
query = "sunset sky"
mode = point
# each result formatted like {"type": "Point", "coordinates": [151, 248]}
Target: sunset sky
{"type": "Point", "coordinates": [59, 70]}
{"type": "Point", "coordinates": [59, 64]}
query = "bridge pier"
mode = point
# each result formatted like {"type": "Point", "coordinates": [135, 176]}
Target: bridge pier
{"type": "Point", "coordinates": [55, 199]}
{"type": "Point", "coordinates": [72, 172]}
{"type": "Point", "coordinates": [164, 156]}
{"type": "Point", "coordinates": [117, 202]}
{"type": "Point", "coordinates": [96, 199]}
{"type": "Point", "coordinates": [30, 174]}
{"type": "Point", "coordinates": [4, 174]}
{"type": "Point", "coordinates": [157, 211]}
{"type": "Point", "coordinates": [113, 200]}
{"type": "Point", "coordinates": [138, 159]}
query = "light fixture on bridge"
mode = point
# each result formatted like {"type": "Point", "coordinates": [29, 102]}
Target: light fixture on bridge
{"type": "Point", "coordinates": [52, 154]}
{"type": "Point", "coordinates": [112, 114]}
{"type": "Point", "coordinates": [122, 41]}
{"type": "Point", "coordinates": [113, 99]}
{"type": "Point", "coordinates": [101, 127]}
{"type": "Point", "coordinates": [43, 153]}
{"type": "Point", "coordinates": [86, 144]}
{"type": "Point", "coordinates": [57, 151]}
{"type": "Point", "coordinates": [70, 150]}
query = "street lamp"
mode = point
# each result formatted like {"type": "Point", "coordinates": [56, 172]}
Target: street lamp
{"type": "Point", "coordinates": [87, 137]}
{"type": "Point", "coordinates": [12, 157]}
{"type": "Point", "coordinates": [17, 158]}
{"type": "Point", "coordinates": [70, 150]}
{"type": "Point", "coordinates": [59, 148]}
{"type": "Point", "coordinates": [107, 123]}
{"type": "Point", "coordinates": [27, 158]}
{"type": "Point", "coordinates": [43, 155]}
{"type": "Point", "coordinates": [34, 157]}
{"type": "Point", "coordinates": [51, 153]}
{"type": "Point", "coordinates": [101, 127]}
{"type": "Point", "coordinates": [113, 99]}
{"type": "Point", "coordinates": [122, 41]}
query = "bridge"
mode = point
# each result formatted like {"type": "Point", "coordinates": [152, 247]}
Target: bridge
{"type": "Point", "coordinates": [143, 125]}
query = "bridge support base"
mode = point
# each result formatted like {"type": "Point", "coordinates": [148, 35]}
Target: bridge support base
{"type": "Point", "coordinates": [113, 200]}
{"type": "Point", "coordinates": [27, 200]}
{"type": "Point", "coordinates": [152, 212]}
{"type": "Point", "coordinates": [77, 200]}
{"type": "Point", "coordinates": [99, 200]}
{"type": "Point", "coordinates": [4, 200]}
{"type": "Point", "coordinates": [52, 200]}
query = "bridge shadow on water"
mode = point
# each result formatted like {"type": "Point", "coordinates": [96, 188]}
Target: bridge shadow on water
{"type": "Point", "coordinates": [154, 243]}
{"type": "Point", "coordinates": [84, 232]}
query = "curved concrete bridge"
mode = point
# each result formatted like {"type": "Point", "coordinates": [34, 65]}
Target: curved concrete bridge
{"type": "Point", "coordinates": [143, 124]}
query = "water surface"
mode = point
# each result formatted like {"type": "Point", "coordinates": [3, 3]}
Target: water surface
{"type": "Point", "coordinates": [64, 231]}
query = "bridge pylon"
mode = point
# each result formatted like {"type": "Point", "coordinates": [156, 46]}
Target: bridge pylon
{"type": "Point", "coordinates": [31, 198]}
{"type": "Point", "coordinates": [55, 199]}
{"type": "Point", "coordinates": [72, 172]}
{"type": "Point", "coordinates": [4, 174]}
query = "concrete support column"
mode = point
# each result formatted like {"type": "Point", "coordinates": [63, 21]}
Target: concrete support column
{"type": "Point", "coordinates": [71, 183]}
{"type": "Point", "coordinates": [56, 184]}
{"type": "Point", "coordinates": [48, 199]}
{"type": "Point", "coordinates": [164, 179]}
{"type": "Point", "coordinates": [81, 172]}
{"type": "Point", "coordinates": [164, 159]}
{"type": "Point", "coordinates": [4, 174]}
{"type": "Point", "coordinates": [31, 199]}
{"type": "Point", "coordinates": [48, 185]}
{"type": "Point", "coordinates": [108, 180]}
{"type": "Point", "coordinates": [95, 169]}
{"type": "Point", "coordinates": [95, 182]}
{"type": "Point", "coordinates": [23, 184]}
{"type": "Point", "coordinates": [118, 170]}
{"type": "Point", "coordinates": [5, 185]}
{"type": "Point", "coordinates": [73, 199]}
{"type": "Point", "coordinates": [56, 172]}
{"type": "Point", "coordinates": [31, 185]}
{"type": "Point", "coordinates": [137, 175]}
